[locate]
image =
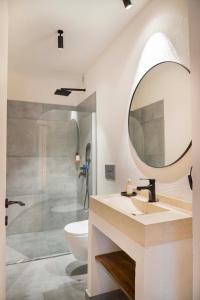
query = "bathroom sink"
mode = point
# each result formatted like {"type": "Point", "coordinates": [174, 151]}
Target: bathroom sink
{"type": "Point", "coordinates": [146, 207]}
{"type": "Point", "coordinates": [134, 205]}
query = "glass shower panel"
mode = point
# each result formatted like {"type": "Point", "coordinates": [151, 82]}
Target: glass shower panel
{"type": "Point", "coordinates": [42, 173]}
{"type": "Point", "coordinates": [85, 123]}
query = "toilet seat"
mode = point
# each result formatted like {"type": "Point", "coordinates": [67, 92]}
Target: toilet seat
{"type": "Point", "coordinates": [77, 228]}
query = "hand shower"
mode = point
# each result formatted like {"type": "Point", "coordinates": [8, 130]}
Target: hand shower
{"type": "Point", "coordinates": [85, 173]}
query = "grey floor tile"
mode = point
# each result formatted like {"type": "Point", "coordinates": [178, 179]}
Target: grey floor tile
{"type": "Point", "coordinates": [46, 279]}
{"type": "Point", "coordinates": [66, 292]}
{"type": "Point", "coordinates": [35, 244]}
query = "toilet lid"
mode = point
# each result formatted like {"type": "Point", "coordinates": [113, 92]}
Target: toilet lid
{"type": "Point", "coordinates": [77, 228]}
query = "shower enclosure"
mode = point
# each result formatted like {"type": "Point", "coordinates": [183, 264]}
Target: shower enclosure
{"type": "Point", "coordinates": [42, 143]}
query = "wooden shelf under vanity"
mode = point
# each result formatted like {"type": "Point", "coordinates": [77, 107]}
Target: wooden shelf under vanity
{"type": "Point", "coordinates": [122, 269]}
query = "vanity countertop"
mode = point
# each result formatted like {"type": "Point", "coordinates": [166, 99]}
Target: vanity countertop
{"type": "Point", "coordinates": [149, 224]}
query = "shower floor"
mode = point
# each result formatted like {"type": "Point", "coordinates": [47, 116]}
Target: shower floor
{"type": "Point", "coordinates": [35, 244]}
{"type": "Point", "coordinates": [37, 230]}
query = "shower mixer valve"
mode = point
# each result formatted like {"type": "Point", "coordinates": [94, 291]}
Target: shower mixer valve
{"type": "Point", "coordinates": [84, 170]}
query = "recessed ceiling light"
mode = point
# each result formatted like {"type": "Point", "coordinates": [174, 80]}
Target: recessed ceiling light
{"type": "Point", "coordinates": [128, 4]}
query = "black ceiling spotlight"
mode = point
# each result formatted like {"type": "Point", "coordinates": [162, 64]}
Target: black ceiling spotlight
{"type": "Point", "coordinates": [67, 91]}
{"type": "Point", "coordinates": [60, 39]}
{"type": "Point", "coordinates": [128, 4]}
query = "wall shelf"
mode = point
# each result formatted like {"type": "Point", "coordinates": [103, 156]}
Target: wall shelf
{"type": "Point", "coordinates": [122, 269]}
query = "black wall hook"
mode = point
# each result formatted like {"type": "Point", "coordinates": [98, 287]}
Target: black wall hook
{"type": "Point", "coordinates": [190, 179]}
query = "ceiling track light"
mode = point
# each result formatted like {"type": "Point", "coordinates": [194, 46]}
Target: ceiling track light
{"type": "Point", "coordinates": [128, 4]}
{"type": "Point", "coordinates": [60, 39]}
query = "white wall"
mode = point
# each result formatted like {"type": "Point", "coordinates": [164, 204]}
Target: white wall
{"type": "Point", "coordinates": [26, 87]}
{"type": "Point", "coordinates": [194, 20]}
{"type": "Point", "coordinates": [3, 100]}
{"type": "Point", "coordinates": [114, 77]}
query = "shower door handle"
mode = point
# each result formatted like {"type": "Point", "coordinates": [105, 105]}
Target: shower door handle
{"type": "Point", "coordinates": [7, 203]}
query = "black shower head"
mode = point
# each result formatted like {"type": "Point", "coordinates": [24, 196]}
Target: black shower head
{"type": "Point", "coordinates": [62, 92]}
{"type": "Point", "coordinates": [67, 91]}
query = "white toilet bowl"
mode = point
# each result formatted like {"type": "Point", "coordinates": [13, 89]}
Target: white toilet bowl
{"type": "Point", "coordinates": [77, 239]}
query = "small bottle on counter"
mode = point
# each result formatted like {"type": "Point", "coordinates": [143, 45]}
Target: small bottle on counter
{"type": "Point", "coordinates": [129, 187]}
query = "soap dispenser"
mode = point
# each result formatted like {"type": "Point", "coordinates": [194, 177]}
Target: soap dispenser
{"type": "Point", "coordinates": [129, 187]}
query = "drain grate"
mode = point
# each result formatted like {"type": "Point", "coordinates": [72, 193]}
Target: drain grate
{"type": "Point", "coordinates": [25, 260]}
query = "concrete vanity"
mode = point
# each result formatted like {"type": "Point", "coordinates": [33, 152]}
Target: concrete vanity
{"type": "Point", "coordinates": [156, 236]}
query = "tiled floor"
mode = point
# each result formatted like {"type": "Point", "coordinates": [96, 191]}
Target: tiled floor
{"type": "Point", "coordinates": [57, 278]}
{"type": "Point", "coordinates": [35, 244]}
{"type": "Point", "coordinates": [42, 243]}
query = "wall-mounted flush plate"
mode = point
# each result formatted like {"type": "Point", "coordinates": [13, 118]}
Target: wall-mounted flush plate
{"type": "Point", "coordinates": [110, 172]}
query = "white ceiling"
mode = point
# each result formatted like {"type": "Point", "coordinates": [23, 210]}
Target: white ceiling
{"type": "Point", "coordinates": [89, 27]}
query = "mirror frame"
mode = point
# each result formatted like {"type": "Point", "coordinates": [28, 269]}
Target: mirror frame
{"type": "Point", "coordinates": [132, 98]}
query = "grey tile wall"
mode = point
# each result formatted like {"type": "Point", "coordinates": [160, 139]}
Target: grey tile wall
{"type": "Point", "coordinates": [22, 138]}
{"type": "Point", "coordinates": [147, 133]}
{"type": "Point", "coordinates": [61, 139]}
{"type": "Point", "coordinates": [88, 105]}
{"type": "Point", "coordinates": [23, 176]}
{"type": "Point", "coordinates": [34, 111]}
{"type": "Point", "coordinates": [27, 110]}
{"type": "Point", "coordinates": [41, 147]}
{"type": "Point", "coordinates": [56, 114]}
{"type": "Point", "coordinates": [154, 137]}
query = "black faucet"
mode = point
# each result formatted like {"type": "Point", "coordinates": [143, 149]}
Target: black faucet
{"type": "Point", "coordinates": [152, 189]}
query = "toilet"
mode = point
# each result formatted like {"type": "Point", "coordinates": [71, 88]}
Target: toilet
{"type": "Point", "coordinates": [77, 239]}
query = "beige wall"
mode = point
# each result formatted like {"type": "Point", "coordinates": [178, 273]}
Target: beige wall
{"type": "Point", "coordinates": [194, 20]}
{"type": "Point", "coordinates": [114, 77]}
{"type": "Point", "coordinates": [3, 100]}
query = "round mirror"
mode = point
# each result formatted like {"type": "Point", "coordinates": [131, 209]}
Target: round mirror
{"type": "Point", "coordinates": [160, 115]}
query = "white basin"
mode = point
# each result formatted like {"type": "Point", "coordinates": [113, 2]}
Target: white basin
{"type": "Point", "coordinates": [134, 206]}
